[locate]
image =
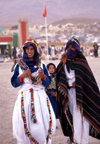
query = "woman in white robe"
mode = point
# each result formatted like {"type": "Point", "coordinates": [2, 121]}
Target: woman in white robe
{"type": "Point", "coordinates": [33, 117]}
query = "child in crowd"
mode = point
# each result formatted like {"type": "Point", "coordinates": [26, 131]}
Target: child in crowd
{"type": "Point", "coordinates": [51, 89]}
{"type": "Point", "coordinates": [33, 117]}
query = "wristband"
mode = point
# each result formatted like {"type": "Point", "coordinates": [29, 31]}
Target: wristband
{"type": "Point", "coordinates": [20, 80]}
{"type": "Point", "coordinates": [44, 79]}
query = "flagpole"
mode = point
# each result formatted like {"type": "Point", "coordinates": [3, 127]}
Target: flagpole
{"type": "Point", "coordinates": [46, 34]}
{"type": "Point", "coordinates": [45, 15]}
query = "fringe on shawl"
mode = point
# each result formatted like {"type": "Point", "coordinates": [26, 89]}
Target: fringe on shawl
{"type": "Point", "coordinates": [61, 91]}
{"type": "Point", "coordinates": [93, 130]}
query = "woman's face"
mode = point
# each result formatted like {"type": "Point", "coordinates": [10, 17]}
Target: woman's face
{"type": "Point", "coordinates": [51, 69]}
{"type": "Point", "coordinates": [30, 51]}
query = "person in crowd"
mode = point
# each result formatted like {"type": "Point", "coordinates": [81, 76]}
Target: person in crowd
{"type": "Point", "coordinates": [49, 50]}
{"type": "Point", "coordinates": [18, 52]}
{"type": "Point", "coordinates": [14, 53]}
{"type": "Point", "coordinates": [6, 52]}
{"type": "Point", "coordinates": [95, 49]}
{"type": "Point", "coordinates": [82, 49]}
{"type": "Point", "coordinates": [51, 89]}
{"type": "Point", "coordinates": [33, 117]}
{"type": "Point", "coordinates": [7, 56]}
{"type": "Point", "coordinates": [53, 52]}
{"type": "Point", "coordinates": [88, 51]}
{"type": "Point", "coordinates": [78, 96]}
{"type": "Point", "coordinates": [42, 49]}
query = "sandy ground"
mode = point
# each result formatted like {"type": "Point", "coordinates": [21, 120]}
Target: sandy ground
{"type": "Point", "coordinates": [8, 96]}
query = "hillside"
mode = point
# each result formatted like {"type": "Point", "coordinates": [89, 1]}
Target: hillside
{"type": "Point", "coordinates": [11, 11]}
{"type": "Point", "coordinates": [76, 21]}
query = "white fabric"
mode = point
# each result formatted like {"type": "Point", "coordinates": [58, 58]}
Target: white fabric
{"type": "Point", "coordinates": [80, 124]}
{"type": "Point", "coordinates": [18, 51]}
{"type": "Point", "coordinates": [53, 52]}
{"type": "Point", "coordinates": [69, 76]}
{"type": "Point", "coordinates": [38, 130]}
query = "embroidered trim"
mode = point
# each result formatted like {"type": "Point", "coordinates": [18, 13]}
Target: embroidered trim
{"type": "Point", "coordinates": [53, 84]}
{"type": "Point", "coordinates": [24, 120]}
{"type": "Point", "coordinates": [33, 117]}
{"type": "Point", "coordinates": [24, 66]}
{"type": "Point", "coordinates": [32, 41]}
{"type": "Point", "coordinates": [39, 63]}
{"type": "Point", "coordinates": [50, 122]}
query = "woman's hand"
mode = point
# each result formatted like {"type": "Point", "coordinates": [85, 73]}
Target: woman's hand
{"type": "Point", "coordinates": [41, 74]}
{"type": "Point", "coordinates": [64, 58]}
{"type": "Point", "coordinates": [27, 73]}
{"type": "Point", "coordinates": [38, 80]}
{"type": "Point", "coordinates": [73, 85]}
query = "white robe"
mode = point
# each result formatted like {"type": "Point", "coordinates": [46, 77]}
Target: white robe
{"type": "Point", "coordinates": [38, 130]}
{"type": "Point", "coordinates": [80, 123]}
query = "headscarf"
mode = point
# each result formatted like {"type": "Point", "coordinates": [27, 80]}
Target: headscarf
{"type": "Point", "coordinates": [35, 59]}
{"type": "Point", "coordinates": [53, 75]}
{"type": "Point", "coordinates": [74, 42]}
{"type": "Point", "coordinates": [70, 53]}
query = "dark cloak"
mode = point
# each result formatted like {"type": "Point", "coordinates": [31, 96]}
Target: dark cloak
{"type": "Point", "coordinates": [87, 97]}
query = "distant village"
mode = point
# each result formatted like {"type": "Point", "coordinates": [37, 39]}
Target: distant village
{"type": "Point", "coordinates": [87, 33]}
{"type": "Point", "coordinates": [56, 35]}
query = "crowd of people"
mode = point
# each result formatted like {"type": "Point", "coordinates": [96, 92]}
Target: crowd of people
{"type": "Point", "coordinates": [68, 93]}
{"type": "Point", "coordinates": [91, 52]}
{"type": "Point", "coordinates": [15, 53]}
{"type": "Point", "coordinates": [53, 52]}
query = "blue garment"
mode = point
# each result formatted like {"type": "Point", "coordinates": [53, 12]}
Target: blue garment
{"type": "Point", "coordinates": [15, 79]}
{"type": "Point", "coordinates": [50, 89]}
{"type": "Point", "coordinates": [53, 102]}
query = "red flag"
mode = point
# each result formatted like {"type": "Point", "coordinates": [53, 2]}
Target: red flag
{"type": "Point", "coordinates": [45, 11]}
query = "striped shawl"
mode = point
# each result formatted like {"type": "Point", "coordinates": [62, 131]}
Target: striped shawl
{"type": "Point", "coordinates": [87, 97]}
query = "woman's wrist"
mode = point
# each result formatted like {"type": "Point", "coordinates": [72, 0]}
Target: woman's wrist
{"type": "Point", "coordinates": [22, 76]}
{"type": "Point", "coordinates": [20, 79]}
{"type": "Point", "coordinates": [44, 78]}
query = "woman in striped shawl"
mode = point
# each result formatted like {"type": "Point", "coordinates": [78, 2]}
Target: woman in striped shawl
{"type": "Point", "coordinates": [78, 96]}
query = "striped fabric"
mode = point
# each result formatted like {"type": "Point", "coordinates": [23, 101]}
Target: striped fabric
{"type": "Point", "coordinates": [87, 93]}
{"type": "Point", "coordinates": [65, 116]}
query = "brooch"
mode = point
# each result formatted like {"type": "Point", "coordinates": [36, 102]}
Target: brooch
{"type": "Point", "coordinates": [35, 66]}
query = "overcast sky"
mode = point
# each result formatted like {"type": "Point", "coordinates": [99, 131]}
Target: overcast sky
{"type": "Point", "coordinates": [12, 10]}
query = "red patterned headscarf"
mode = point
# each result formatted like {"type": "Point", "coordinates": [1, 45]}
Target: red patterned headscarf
{"type": "Point", "coordinates": [35, 59]}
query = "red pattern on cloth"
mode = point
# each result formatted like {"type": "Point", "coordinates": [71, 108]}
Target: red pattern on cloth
{"type": "Point", "coordinates": [20, 80]}
{"type": "Point", "coordinates": [44, 78]}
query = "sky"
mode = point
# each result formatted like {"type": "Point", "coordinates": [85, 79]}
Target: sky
{"type": "Point", "coordinates": [12, 10]}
